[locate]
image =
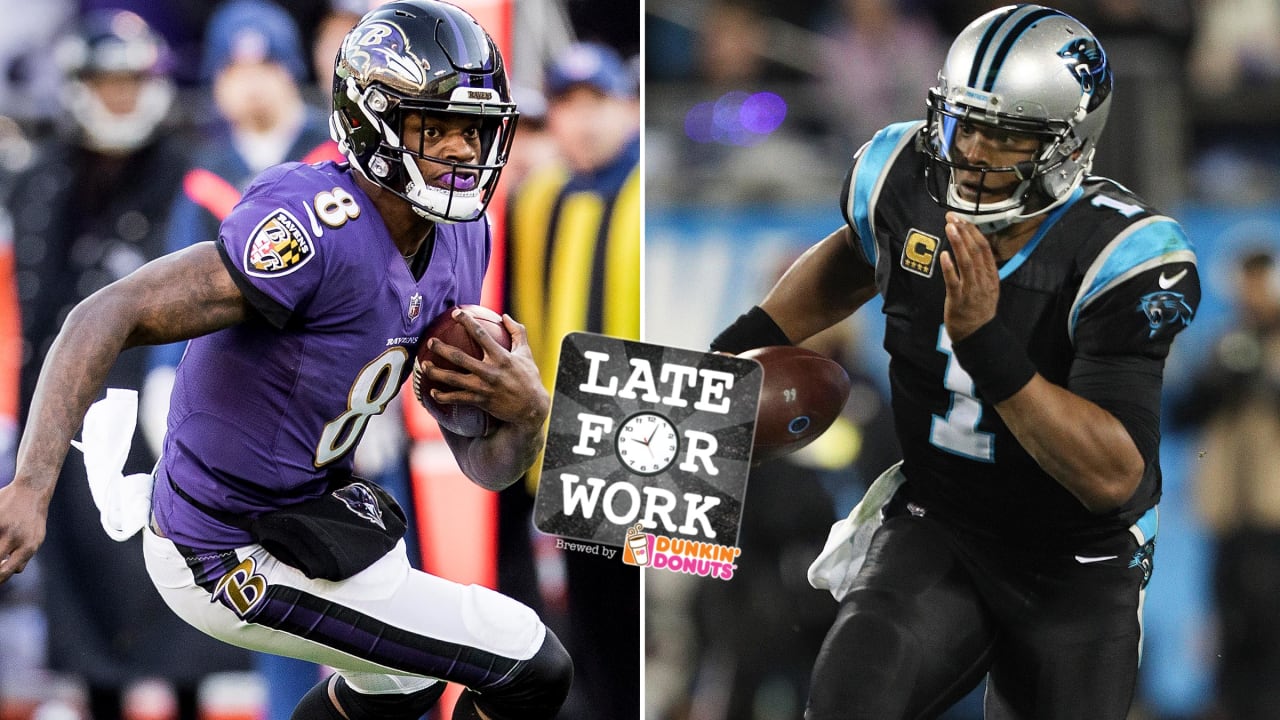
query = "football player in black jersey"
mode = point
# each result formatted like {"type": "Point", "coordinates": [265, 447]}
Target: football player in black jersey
{"type": "Point", "coordinates": [1029, 310]}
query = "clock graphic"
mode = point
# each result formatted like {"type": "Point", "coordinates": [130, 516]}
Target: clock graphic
{"type": "Point", "coordinates": [647, 443]}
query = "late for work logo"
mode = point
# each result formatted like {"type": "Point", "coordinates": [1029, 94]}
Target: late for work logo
{"type": "Point", "coordinates": [650, 439]}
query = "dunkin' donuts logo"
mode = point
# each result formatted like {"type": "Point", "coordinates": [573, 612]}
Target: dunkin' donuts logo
{"type": "Point", "coordinates": [678, 555]}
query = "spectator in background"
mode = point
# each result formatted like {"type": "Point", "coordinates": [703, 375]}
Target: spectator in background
{"type": "Point", "coordinates": [574, 264]}
{"type": "Point", "coordinates": [1234, 78]}
{"type": "Point", "coordinates": [1237, 46]}
{"type": "Point", "coordinates": [256, 67]}
{"type": "Point", "coordinates": [569, 212]}
{"type": "Point", "coordinates": [875, 60]}
{"type": "Point", "coordinates": [181, 23]}
{"type": "Point", "coordinates": [734, 44]}
{"type": "Point", "coordinates": [90, 210]}
{"type": "Point", "coordinates": [1234, 399]}
{"type": "Point", "coordinates": [255, 64]}
{"type": "Point", "coordinates": [28, 82]}
{"type": "Point", "coordinates": [333, 26]}
{"type": "Point", "coordinates": [534, 148]}
{"type": "Point", "coordinates": [744, 48]}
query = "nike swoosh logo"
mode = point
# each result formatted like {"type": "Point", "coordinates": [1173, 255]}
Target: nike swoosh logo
{"type": "Point", "coordinates": [1167, 282]}
{"type": "Point", "coordinates": [1086, 559]}
{"type": "Point", "coordinates": [318, 231]}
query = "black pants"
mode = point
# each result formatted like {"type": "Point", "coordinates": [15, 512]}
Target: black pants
{"type": "Point", "coordinates": [934, 610]}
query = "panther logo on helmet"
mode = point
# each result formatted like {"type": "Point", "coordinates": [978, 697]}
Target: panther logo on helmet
{"type": "Point", "coordinates": [1087, 61]}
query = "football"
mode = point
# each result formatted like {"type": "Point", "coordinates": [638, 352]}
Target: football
{"type": "Point", "coordinates": [801, 394]}
{"type": "Point", "coordinates": [464, 420]}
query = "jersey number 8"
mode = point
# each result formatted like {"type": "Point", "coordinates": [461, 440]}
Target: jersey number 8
{"type": "Point", "coordinates": [374, 387]}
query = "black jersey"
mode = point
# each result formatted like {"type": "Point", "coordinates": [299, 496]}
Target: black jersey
{"type": "Point", "coordinates": [1095, 297]}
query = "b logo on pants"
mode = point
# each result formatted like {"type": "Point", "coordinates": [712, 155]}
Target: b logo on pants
{"type": "Point", "coordinates": [241, 589]}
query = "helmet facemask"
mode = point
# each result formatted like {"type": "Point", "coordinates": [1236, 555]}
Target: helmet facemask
{"type": "Point", "coordinates": [463, 191]}
{"type": "Point", "coordinates": [1022, 69]}
{"type": "Point", "coordinates": [1044, 179]}
{"type": "Point", "coordinates": [111, 132]}
{"type": "Point", "coordinates": [423, 59]}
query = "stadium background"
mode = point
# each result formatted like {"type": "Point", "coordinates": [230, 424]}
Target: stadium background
{"type": "Point", "coordinates": [1193, 130]}
{"type": "Point", "coordinates": [753, 111]}
{"type": "Point", "coordinates": [462, 537]}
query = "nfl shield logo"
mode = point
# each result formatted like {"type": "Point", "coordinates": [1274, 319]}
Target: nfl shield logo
{"type": "Point", "coordinates": [415, 306]}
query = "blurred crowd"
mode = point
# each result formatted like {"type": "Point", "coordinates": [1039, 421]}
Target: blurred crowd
{"type": "Point", "coordinates": [1197, 87]}
{"type": "Point", "coordinates": [128, 130]}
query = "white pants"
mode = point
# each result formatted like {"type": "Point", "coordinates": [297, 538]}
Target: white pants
{"type": "Point", "coordinates": [388, 629]}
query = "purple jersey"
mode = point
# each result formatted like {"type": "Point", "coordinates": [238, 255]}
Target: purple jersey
{"type": "Point", "coordinates": [262, 412]}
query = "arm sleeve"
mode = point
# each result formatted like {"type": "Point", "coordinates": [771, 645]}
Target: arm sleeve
{"type": "Point", "coordinates": [266, 306]}
{"type": "Point", "coordinates": [272, 258]}
{"type": "Point", "coordinates": [1122, 339]}
{"type": "Point", "coordinates": [847, 208]}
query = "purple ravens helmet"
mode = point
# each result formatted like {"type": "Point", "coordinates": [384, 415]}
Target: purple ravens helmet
{"type": "Point", "coordinates": [422, 56]}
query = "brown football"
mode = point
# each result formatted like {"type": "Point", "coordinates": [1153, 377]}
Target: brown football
{"type": "Point", "coordinates": [801, 394]}
{"type": "Point", "coordinates": [464, 420]}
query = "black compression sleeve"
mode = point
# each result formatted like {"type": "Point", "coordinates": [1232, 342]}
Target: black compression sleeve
{"type": "Point", "coordinates": [752, 329]}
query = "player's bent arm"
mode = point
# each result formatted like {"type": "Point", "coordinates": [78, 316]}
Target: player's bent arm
{"type": "Point", "coordinates": [497, 461]}
{"type": "Point", "coordinates": [506, 384]}
{"type": "Point", "coordinates": [821, 288]}
{"type": "Point", "coordinates": [176, 297]}
{"type": "Point", "coordinates": [1078, 442]}
{"type": "Point", "coordinates": [1081, 445]}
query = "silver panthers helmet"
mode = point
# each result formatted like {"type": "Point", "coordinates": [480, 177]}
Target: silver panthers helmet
{"type": "Point", "coordinates": [1025, 69]}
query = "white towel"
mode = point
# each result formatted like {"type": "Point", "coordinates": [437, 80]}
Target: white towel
{"type": "Point", "coordinates": [841, 558]}
{"type": "Point", "coordinates": [124, 503]}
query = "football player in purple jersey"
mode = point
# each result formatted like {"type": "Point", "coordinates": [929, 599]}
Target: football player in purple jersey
{"type": "Point", "coordinates": [305, 316]}
{"type": "Point", "coordinates": [1029, 308]}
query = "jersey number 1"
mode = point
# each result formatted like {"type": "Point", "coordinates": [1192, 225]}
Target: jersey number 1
{"type": "Point", "coordinates": [958, 432]}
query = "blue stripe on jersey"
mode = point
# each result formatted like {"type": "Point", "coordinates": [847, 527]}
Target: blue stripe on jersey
{"type": "Point", "coordinates": [1147, 526]}
{"type": "Point", "coordinates": [1021, 256]}
{"type": "Point", "coordinates": [1149, 243]}
{"type": "Point", "coordinates": [868, 176]}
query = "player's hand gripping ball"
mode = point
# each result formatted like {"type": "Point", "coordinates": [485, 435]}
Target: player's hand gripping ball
{"type": "Point", "coordinates": [464, 420]}
{"type": "Point", "coordinates": [802, 393]}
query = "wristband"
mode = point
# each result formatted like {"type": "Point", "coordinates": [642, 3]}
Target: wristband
{"type": "Point", "coordinates": [995, 360]}
{"type": "Point", "coordinates": [752, 329]}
